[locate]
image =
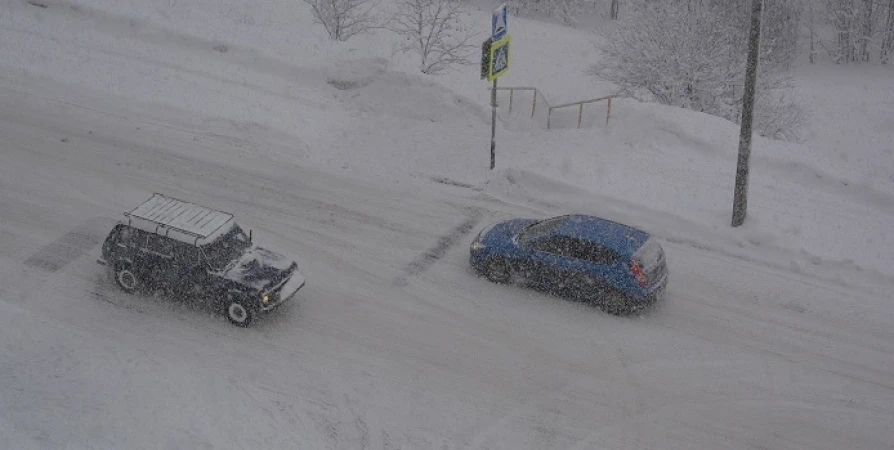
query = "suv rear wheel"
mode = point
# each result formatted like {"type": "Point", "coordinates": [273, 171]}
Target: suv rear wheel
{"type": "Point", "coordinates": [125, 277]}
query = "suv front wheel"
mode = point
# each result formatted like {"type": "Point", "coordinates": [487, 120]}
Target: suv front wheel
{"type": "Point", "coordinates": [125, 277]}
{"type": "Point", "coordinates": [238, 313]}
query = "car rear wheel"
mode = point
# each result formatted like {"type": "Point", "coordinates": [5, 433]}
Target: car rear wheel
{"type": "Point", "coordinates": [238, 314]}
{"type": "Point", "coordinates": [498, 271]}
{"type": "Point", "coordinates": [616, 303]}
{"type": "Point", "coordinates": [125, 278]}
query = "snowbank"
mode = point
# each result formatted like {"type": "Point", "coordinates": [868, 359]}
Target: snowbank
{"type": "Point", "coordinates": [358, 108]}
{"type": "Point", "coordinates": [755, 241]}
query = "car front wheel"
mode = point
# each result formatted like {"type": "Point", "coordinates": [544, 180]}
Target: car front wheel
{"type": "Point", "coordinates": [238, 314]}
{"type": "Point", "coordinates": [498, 271]}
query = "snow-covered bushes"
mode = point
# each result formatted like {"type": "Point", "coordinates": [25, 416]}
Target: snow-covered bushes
{"type": "Point", "coordinates": [344, 19]}
{"type": "Point", "coordinates": [565, 10]}
{"type": "Point", "coordinates": [693, 55]}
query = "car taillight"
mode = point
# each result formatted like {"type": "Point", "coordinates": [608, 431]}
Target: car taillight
{"type": "Point", "coordinates": [636, 269]}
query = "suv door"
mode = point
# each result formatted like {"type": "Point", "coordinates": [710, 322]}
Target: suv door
{"type": "Point", "coordinates": [158, 260]}
{"type": "Point", "coordinates": [188, 270]}
{"type": "Point", "coordinates": [131, 244]}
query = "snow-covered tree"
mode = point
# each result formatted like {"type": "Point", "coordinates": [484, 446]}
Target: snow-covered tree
{"type": "Point", "coordinates": [862, 27]}
{"type": "Point", "coordinates": [887, 46]}
{"type": "Point", "coordinates": [844, 16]}
{"type": "Point", "coordinates": [866, 37]}
{"type": "Point", "coordinates": [436, 30]}
{"type": "Point", "coordinates": [344, 19]}
{"type": "Point", "coordinates": [692, 54]}
{"type": "Point", "coordinates": [811, 30]}
{"type": "Point", "coordinates": [565, 10]}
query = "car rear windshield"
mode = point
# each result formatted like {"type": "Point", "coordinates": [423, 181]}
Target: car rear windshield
{"type": "Point", "coordinates": [649, 254]}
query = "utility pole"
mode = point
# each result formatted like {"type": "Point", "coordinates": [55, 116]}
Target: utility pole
{"type": "Point", "coordinates": [740, 196]}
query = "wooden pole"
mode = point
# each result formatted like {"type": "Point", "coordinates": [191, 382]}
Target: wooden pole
{"type": "Point", "coordinates": [580, 114]}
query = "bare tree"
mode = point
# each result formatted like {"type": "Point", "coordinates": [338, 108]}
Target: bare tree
{"type": "Point", "coordinates": [844, 14]}
{"type": "Point", "coordinates": [868, 9]}
{"type": "Point", "coordinates": [864, 28]}
{"type": "Point", "coordinates": [436, 30]}
{"type": "Point", "coordinates": [344, 19]}
{"type": "Point", "coordinates": [811, 29]}
{"type": "Point", "coordinates": [888, 37]}
{"type": "Point", "coordinates": [565, 10]}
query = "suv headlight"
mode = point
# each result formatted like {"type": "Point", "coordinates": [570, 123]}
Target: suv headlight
{"type": "Point", "coordinates": [477, 245]}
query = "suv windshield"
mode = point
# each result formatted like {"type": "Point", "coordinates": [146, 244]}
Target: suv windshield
{"type": "Point", "coordinates": [537, 229]}
{"type": "Point", "coordinates": [227, 248]}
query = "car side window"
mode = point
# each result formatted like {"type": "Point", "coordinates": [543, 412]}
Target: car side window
{"type": "Point", "coordinates": [578, 249]}
{"type": "Point", "coordinates": [133, 238]}
{"type": "Point", "coordinates": [545, 245]}
{"type": "Point", "coordinates": [594, 253]}
{"type": "Point", "coordinates": [159, 245]}
{"type": "Point", "coordinates": [186, 254]}
{"type": "Point", "coordinates": [555, 245]}
{"type": "Point", "coordinates": [125, 236]}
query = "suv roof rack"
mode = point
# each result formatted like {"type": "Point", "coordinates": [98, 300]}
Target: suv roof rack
{"type": "Point", "coordinates": [187, 221]}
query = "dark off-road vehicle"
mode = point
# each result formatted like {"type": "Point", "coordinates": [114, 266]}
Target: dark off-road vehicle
{"type": "Point", "coordinates": [192, 251]}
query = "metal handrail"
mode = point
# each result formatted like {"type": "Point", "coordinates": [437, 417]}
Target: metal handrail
{"type": "Point", "coordinates": [550, 108]}
{"type": "Point", "coordinates": [512, 90]}
{"type": "Point", "coordinates": [580, 112]}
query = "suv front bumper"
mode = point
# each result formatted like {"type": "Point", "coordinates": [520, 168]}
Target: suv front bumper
{"type": "Point", "coordinates": [295, 283]}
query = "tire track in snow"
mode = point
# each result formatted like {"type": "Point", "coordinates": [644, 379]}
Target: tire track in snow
{"type": "Point", "coordinates": [70, 246]}
{"type": "Point", "coordinates": [432, 255]}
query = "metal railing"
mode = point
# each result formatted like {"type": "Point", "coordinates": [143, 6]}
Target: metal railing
{"type": "Point", "coordinates": [523, 88]}
{"type": "Point", "coordinates": [550, 108]}
{"type": "Point", "coordinates": [580, 112]}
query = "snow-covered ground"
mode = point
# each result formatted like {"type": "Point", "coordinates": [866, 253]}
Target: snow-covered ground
{"type": "Point", "coordinates": [775, 335]}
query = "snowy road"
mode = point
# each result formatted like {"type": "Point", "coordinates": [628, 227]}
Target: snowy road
{"type": "Point", "coordinates": [741, 356]}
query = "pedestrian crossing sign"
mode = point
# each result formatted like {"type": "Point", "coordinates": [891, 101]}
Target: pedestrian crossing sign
{"type": "Point", "coordinates": [498, 24]}
{"type": "Point", "coordinates": [499, 58]}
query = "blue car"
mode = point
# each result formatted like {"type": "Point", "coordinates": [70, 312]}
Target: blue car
{"type": "Point", "coordinates": [616, 266]}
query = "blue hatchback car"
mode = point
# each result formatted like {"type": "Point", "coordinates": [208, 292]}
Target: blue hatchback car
{"type": "Point", "coordinates": [619, 267]}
